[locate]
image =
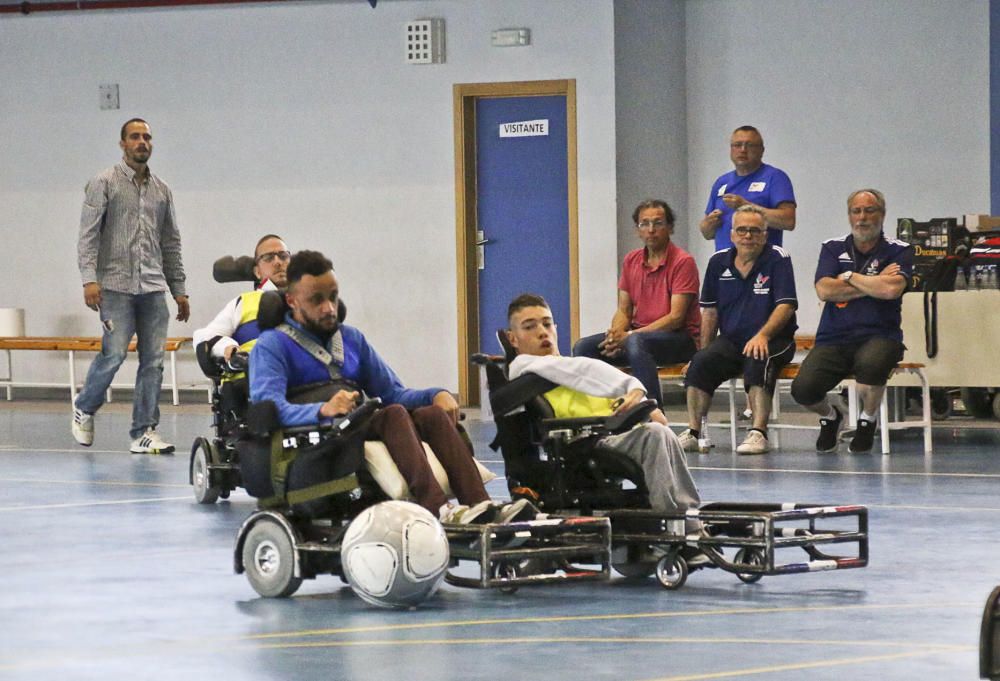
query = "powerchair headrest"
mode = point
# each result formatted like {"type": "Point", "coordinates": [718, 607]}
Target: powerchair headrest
{"type": "Point", "coordinates": [508, 350]}
{"type": "Point", "coordinates": [229, 269]}
{"type": "Point", "coordinates": [273, 307]}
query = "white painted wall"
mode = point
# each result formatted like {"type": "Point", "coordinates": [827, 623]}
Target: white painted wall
{"type": "Point", "coordinates": [301, 119]}
{"type": "Point", "coordinates": [650, 114]}
{"type": "Point", "coordinates": [892, 94]}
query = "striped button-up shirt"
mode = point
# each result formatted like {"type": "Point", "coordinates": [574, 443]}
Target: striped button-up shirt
{"type": "Point", "coordinates": [129, 241]}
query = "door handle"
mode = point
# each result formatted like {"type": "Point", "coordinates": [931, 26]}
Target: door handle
{"type": "Point", "coordinates": [481, 243]}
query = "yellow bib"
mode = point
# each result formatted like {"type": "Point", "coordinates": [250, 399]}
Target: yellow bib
{"type": "Point", "coordinates": [569, 403]}
{"type": "Point", "coordinates": [250, 306]}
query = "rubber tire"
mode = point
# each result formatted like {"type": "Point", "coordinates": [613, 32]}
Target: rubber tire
{"type": "Point", "coordinates": [269, 561]}
{"type": "Point", "coordinates": [204, 492]}
{"type": "Point", "coordinates": [753, 557]}
{"type": "Point", "coordinates": [672, 575]}
{"type": "Point", "coordinates": [940, 404]}
{"type": "Point", "coordinates": [507, 569]}
{"type": "Point", "coordinates": [977, 402]}
{"type": "Point", "coordinates": [634, 567]}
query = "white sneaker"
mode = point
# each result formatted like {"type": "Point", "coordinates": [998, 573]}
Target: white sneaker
{"type": "Point", "coordinates": [83, 427]}
{"type": "Point", "coordinates": [755, 443]}
{"type": "Point", "coordinates": [688, 441]}
{"type": "Point", "coordinates": [150, 442]}
{"type": "Point", "coordinates": [460, 514]}
{"type": "Point", "coordinates": [516, 511]}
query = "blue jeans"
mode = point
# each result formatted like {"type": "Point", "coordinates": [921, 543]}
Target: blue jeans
{"type": "Point", "coordinates": [145, 315]}
{"type": "Point", "coordinates": [643, 353]}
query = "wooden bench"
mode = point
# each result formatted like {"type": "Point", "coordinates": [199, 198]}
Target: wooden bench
{"type": "Point", "coordinates": [674, 372]}
{"type": "Point", "coordinates": [71, 345]}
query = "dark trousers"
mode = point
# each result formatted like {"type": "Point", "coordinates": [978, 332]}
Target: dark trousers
{"type": "Point", "coordinates": [871, 362]}
{"type": "Point", "coordinates": [723, 360]}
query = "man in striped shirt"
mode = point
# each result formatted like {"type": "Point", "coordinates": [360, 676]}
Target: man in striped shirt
{"type": "Point", "coordinates": [129, 254]}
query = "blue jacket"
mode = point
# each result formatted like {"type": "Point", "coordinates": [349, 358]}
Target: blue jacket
{"type": "Point", "coordinates": [278, 364]}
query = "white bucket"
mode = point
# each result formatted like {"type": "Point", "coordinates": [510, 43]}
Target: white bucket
{"type": "Point", "coordinates": [11, 321]}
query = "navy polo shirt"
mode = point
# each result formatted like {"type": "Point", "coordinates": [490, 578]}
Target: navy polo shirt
{"type": "Point", "coordinates": [855, 321]}
{"type": "Point", "coordinates": [745, 304]}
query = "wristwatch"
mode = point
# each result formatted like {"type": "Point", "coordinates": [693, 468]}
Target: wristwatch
{"type": "Point", "coordinates": [846, 276]}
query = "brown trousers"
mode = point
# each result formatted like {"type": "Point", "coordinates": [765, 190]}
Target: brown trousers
{"type": "Point", "coordinates": [402, 431]}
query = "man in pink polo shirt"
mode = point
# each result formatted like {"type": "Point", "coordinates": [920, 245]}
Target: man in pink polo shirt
{"type": "Point", "coordinates": [657, 320]}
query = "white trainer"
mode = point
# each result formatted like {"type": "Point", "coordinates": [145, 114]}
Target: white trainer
{"type": "Point", "coordinates": [83, 427]}
{"type": "Point", "coordinates": [755, 443]}
{"type": "Point", "coordinates": [460, 514]}
{"type": "Point", "coordinates": [688, 441]}
{"type": "Point", "coordinates": [150, 442]}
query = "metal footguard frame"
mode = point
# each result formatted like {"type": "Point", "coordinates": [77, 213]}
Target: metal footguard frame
{"type": "Point", "coordinates": [771, 529]}
{"type": "Point", "coordinates": [557, 542]}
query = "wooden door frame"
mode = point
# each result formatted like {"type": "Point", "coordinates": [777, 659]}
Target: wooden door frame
{"type": "Point", "coordinates": [466, 210]}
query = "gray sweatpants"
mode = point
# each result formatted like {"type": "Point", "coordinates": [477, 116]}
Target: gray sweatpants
{"type": "Point", "coordinates": [656, 448]}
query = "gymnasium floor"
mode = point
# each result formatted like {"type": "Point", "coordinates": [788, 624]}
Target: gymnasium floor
{"type": "Point", "coordinates": [112, 571]}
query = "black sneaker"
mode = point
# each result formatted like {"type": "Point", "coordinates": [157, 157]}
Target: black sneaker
{"type": "Point", "coordinates": [828, 429]}
{"type": "Point", "coordinates": [863, 438]}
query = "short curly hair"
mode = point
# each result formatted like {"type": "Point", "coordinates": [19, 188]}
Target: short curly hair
{"type": "Point", "coordinates": [312, 263]}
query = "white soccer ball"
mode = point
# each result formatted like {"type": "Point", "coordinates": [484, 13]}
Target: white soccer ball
{"type": "Point", "coordinates": [394, 554]}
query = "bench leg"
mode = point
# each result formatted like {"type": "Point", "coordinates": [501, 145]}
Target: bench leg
{"type": "Point", "coordinates": [173, 378]}
{"type": "Point", "coordinates": [883, 417]}
{"type": "Point", "coordinates": [925, 391]}
{"type": "Point", "coordinates": [732, 414]}
{"type": "Point", "coordinates": [774, 434]}
{"type": "Point", "coordinates": [72, 378]}
{"type": "Point", "coordinates": [10, 378]}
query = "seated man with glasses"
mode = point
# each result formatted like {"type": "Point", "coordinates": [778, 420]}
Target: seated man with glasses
{"type": "Point", "coordinates": [752, 182]}
{"type": "Point", "coordinates": [235, 327]}
{"type": "Point", "coordinates": [656, 321]}
{"type": "Point", "coordinates": [748, 299]}
{"type": "Point", "coordinates": [861, 278]}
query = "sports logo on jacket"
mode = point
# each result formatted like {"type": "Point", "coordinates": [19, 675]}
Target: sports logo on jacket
{"type": "Point", "coordinates": [762, 285]}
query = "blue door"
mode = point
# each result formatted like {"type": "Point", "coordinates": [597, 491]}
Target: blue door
{"type": "Point", "coordinates": [522, 209]}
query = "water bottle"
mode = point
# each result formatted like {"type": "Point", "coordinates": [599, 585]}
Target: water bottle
{"type": "Point", "coordinates": [704, 442]}
{"type": "Point", "coordinates": [905, 228]}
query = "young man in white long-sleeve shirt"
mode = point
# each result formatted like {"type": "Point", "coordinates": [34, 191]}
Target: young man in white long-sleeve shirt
{"type": "Point", "coordinates": [590, 387]}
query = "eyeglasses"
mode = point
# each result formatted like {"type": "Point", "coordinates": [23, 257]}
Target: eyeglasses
{"type": "Point", "coordinates": [651, 224]}
{"type": "Point", "coordinates": [748, 231]}
{"type": "Point", "coordinates": [283, 256]}
{"type": "Point", "coordinates": [745, 145]}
